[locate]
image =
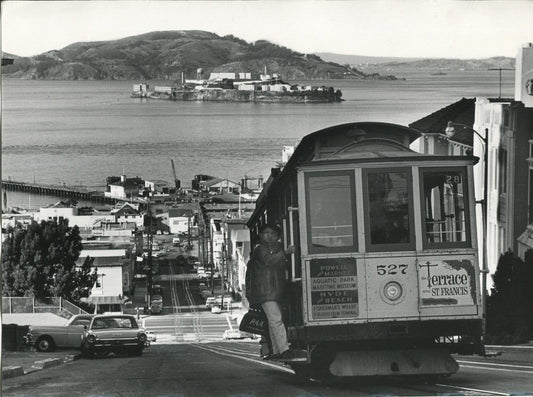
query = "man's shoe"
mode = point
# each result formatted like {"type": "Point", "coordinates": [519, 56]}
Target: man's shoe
{"type": "Point", "coordinates": [292, 356]}
{"type": "Point", "coordinates": [267, 356]}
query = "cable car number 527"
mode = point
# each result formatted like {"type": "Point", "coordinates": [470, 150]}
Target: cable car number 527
{"type": "Point", "coordinates": [391, 269]}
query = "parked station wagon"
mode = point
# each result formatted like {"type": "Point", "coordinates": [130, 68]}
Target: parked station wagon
{"type": "Point", "coordinates": [46, 338]}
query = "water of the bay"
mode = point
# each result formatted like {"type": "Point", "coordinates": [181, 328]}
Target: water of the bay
{"type": "Point", "coordinates": [79, 132]}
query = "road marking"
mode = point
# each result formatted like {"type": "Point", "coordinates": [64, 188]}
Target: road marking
{"type": "Point", "coordinates": [153, 327]}
{"type": "Point", "coordinates": [496, 364]}
{"type": "Point", "coordinates": [497, 369]}
{"type": "Point", "coordinates": [504, 347]}
{"type": "Point", "coordinates": [229, 322]}
{"type": "Point", "coordinates": [474, 390]}
{"type": "Point", "coordinates": [256, 361]}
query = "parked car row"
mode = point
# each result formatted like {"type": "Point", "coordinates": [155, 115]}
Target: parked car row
{"type": "Point", "coordinates": [217, 301]}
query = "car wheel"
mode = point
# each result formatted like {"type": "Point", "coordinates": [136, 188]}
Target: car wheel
{"type": "Point", "coordinates": [44, 344]}
{"type": "Point", "coordinates": [100, 353]}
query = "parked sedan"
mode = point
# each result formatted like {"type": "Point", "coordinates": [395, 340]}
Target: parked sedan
{"type": "Point", "coordinates": [117, 333]}
{"type": "Point", "coordinates": [46, 338]}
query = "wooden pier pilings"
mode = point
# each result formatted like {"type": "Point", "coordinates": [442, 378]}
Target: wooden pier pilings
{"type": "Point", "coordinates": [56, 190]}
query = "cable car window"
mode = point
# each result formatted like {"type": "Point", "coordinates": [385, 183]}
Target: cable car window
{"type": "Point", "coordinates": [445, 207]}
{"type": "Point", "coordinates": [330, 211]}
{"type": "Point", "coordinates": [389, 210]}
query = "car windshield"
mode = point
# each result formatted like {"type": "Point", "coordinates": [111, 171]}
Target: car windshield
{"type": "Point", "coordinates": [114, 322]}
{"type": "Point", "coordinates": [81, 321]}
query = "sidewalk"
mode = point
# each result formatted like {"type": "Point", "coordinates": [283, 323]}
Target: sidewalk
{"type": "Point", "coordinates": [23, 362]}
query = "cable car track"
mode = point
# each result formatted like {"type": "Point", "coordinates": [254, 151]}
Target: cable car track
{"type": "Point", "coordinates": [176, 304]}
{"type": "Point", "coordinates": [429, 388]}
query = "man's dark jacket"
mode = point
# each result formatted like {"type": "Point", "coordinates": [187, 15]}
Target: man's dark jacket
{"type": "Point", "coordinates": [265, 274]}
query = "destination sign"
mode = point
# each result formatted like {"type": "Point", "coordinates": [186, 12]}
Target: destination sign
{"type": "Point", "coordinates": [333, 287]}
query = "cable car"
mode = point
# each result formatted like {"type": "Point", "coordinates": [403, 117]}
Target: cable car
{"type": "Point", "coordinates": [385, 280]}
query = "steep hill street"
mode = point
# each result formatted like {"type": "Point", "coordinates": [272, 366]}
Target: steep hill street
{"type": "Point", "coordinates": [233, 368]}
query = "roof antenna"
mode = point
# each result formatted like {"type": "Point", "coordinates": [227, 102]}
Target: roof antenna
{"type": "Point", "coordinates": [500, 69]}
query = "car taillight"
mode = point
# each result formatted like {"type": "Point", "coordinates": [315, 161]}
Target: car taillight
{"type": "Point", "coordinates": [91, 338]}
{"type": "Point", "coordinates": [141, 336]}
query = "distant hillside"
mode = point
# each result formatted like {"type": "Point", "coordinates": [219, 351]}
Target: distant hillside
{"type": "Point", "coordinates": [168, 54]}
{"type": "Point", "coordinates": [7, 55]}
{"type": "Point", "coordinates": [453, 64]}
{"type": "Point", "coordinates": [354, 60]}
{"type": "Point", "coordinates": [389, 64]}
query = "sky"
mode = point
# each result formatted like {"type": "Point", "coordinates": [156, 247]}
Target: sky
{"type": "Point", "coordinates": [399, 28]}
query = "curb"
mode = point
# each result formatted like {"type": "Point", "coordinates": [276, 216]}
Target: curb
{"type": "Point", "coordinates": [14, 371]}
{"type": "Point", "coordinates": [49, 362]}
{"type": "Point", "coordinates": [11, 372]}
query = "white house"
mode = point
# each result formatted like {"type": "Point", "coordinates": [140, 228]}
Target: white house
{"type": "Point", "coordinates": [219, 185]}
{"type": "Point", "coordinates": [57, 212]}
{"type": "Point", "coordinates": [128, 213]}
{"type": "Point", "coordinates": [115, 278]}
{"type": "Point", "coordinates": [180, 220]}
{"type": "Point", "coordinates": [13, 219]}
{"type": "Point", "coordinates": [123, 187]}
{"type": "Point", "coordinates": [86, 219]}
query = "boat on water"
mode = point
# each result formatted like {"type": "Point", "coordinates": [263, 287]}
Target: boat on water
{"type": "Point", "coordinates": [265, 89]}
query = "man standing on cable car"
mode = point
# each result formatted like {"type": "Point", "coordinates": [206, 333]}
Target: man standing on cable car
{"type": "Point", "coordinates": [265, 284]}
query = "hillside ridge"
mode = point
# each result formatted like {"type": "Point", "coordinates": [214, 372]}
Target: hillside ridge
{"type": "Point", "coordinates": [169, 55]}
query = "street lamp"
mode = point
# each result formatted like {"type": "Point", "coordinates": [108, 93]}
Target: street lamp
{"type": "Point", "coordinates": [450, 131]}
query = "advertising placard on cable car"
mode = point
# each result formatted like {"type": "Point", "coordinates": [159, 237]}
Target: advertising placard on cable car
{"type": "Point", "coordinates": [333, 288]}
{"type": "Point", "coordinates": [446, 282]}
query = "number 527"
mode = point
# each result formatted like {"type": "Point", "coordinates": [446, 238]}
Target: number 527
{"type": "Point", "coordinates": [391, 269]}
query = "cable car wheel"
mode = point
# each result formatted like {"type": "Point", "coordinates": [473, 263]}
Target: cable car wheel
{"type": "Point", "coordinates": [322, 356]}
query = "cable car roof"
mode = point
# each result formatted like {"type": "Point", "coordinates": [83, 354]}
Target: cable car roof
{"type": "Point", "coordinates": [361, 141]}
{"type": "Point", "coordinates": [353, 140]}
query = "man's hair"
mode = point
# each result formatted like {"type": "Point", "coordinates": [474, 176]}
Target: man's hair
{"type": "Point", "coordinates": [270, 226]}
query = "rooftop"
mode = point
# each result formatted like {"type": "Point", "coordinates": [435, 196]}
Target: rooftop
{"type": "Point", "coordinates": [461, 112]}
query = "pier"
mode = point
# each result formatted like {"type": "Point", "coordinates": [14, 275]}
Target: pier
{"type": "Point", "coordinates": [57, 190]}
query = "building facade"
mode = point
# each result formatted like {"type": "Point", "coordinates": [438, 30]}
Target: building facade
{"type": "Point", "coordinates": [500, 130]}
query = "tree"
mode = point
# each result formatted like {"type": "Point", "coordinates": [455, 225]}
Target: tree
{"type": "Point", "coordinates": [510, 306]}
{"type": "Point", "coordinates": [40, 261]}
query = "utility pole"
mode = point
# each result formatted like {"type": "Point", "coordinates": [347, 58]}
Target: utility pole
{"type": "Point", "coordinates": [200, 238]}
{"type": "Point", "coordinates": [149, 260]}
{"type": "Point", "coordinates": [223, 259]}
{"type": "Point", "coordinates": [210, 256]}
{"type": "Point", "coordinates": [188, 233]}
{"type": "Point", "coordinates": [500, 70]}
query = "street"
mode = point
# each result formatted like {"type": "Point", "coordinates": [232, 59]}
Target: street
{"type": "Point", "coordinates": [184, 316]}
{"type": "Point", "coordinates": [190, 358]}
{"type": "Point", "coordinates": [234, 369]}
